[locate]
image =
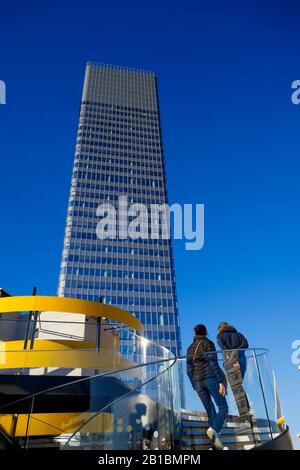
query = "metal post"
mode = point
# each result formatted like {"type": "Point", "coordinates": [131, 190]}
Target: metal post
{"type": "Point", "coordinates": [98, 329]}
{"type": "Point", "coordinates": [34, 290]}
{"type": "Point", "coordinates": [14, 425]}
{"type": "Point", "coordinates": [98, 333]}
{"type": "Point", "coordinates": [35, 319]}
{"type": "Point", "coordinates": [28, 424]}
{"type": "Point", "coordinates": [170, 394]}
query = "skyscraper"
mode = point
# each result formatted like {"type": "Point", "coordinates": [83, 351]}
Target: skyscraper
{"type": "Point", "coordinates": [119, 152]}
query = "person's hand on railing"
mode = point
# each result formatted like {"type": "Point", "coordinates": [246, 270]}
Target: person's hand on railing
{"type": "Point", "coordinates": [222, 390]}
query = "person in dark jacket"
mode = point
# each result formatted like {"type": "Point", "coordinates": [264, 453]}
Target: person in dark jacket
{"type": "Point", "coordinates": [233, 344]}
{"type": "Point", "coordinates": [209, 381]}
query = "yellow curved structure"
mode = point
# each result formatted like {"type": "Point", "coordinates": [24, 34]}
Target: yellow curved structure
{"type": "Point", "coordinates": [67, 305]}
{"type": "Point", "coordinates": [66, 354]}
{"type": "Point", "coordinates": [50, 354]}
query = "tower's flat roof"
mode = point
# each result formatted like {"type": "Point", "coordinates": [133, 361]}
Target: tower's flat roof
{"type": "Point", "coordinates": [120, 67]}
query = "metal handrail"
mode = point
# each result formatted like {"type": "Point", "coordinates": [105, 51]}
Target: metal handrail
{"type": "Point", "coordinates": [263, 351]}
{"type": "Point", "coordinates": [222, 351]}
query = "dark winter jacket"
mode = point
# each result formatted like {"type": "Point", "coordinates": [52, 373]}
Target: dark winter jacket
{"type": "Point", "coordinates": [202, 362]}
{"type": "Point", "coordinates": [230, 338]}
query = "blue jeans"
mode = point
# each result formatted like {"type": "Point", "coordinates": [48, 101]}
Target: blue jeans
{"type": "Point", "coordinates": [208, 389]}
{"type": "Point", "coordinates": [243, 364]}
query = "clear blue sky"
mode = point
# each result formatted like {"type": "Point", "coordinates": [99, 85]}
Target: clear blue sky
{"type": "Point", "coordinates": [231, 139]}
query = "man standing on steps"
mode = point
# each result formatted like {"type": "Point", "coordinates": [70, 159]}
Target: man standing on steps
{"type": "Point", "coordinates": [209, 382]}
{"type": "Point", "coordinates": [234, 345]}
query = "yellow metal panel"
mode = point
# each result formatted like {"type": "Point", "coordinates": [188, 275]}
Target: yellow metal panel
{"type": "Point", "coordinates": [65, 354]}
{"type": "Point", "coordinates": [67, 305]}
{"type": "Point", "coordinates": [54, 424]}
{"type": "Point", "coordinates": [48, 345]}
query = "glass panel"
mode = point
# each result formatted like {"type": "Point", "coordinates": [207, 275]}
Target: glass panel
{"type": "Point", "coordinates": [249, 397]}
{"type": "Point", "coordinates": [126, 392]}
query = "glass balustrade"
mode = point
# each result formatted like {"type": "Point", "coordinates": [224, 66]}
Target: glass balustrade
{"type": "Point", "coordinates": [83, 395]}
{"type": "Point", "coordinates": [250, 398]}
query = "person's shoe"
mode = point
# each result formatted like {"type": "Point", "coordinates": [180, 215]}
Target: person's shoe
{"type": "Point", "coordinates": [215, 438]}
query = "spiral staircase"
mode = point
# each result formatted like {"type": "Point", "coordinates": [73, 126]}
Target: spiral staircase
{"type": "Point", "coordinates": [63, 392]}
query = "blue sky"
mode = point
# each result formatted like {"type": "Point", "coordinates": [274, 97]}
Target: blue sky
{"type": "Point", "coordinates": [231, 137]}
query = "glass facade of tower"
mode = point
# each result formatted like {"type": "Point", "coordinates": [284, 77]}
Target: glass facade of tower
{"type": "Point", "coordinates": [119, 153]}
